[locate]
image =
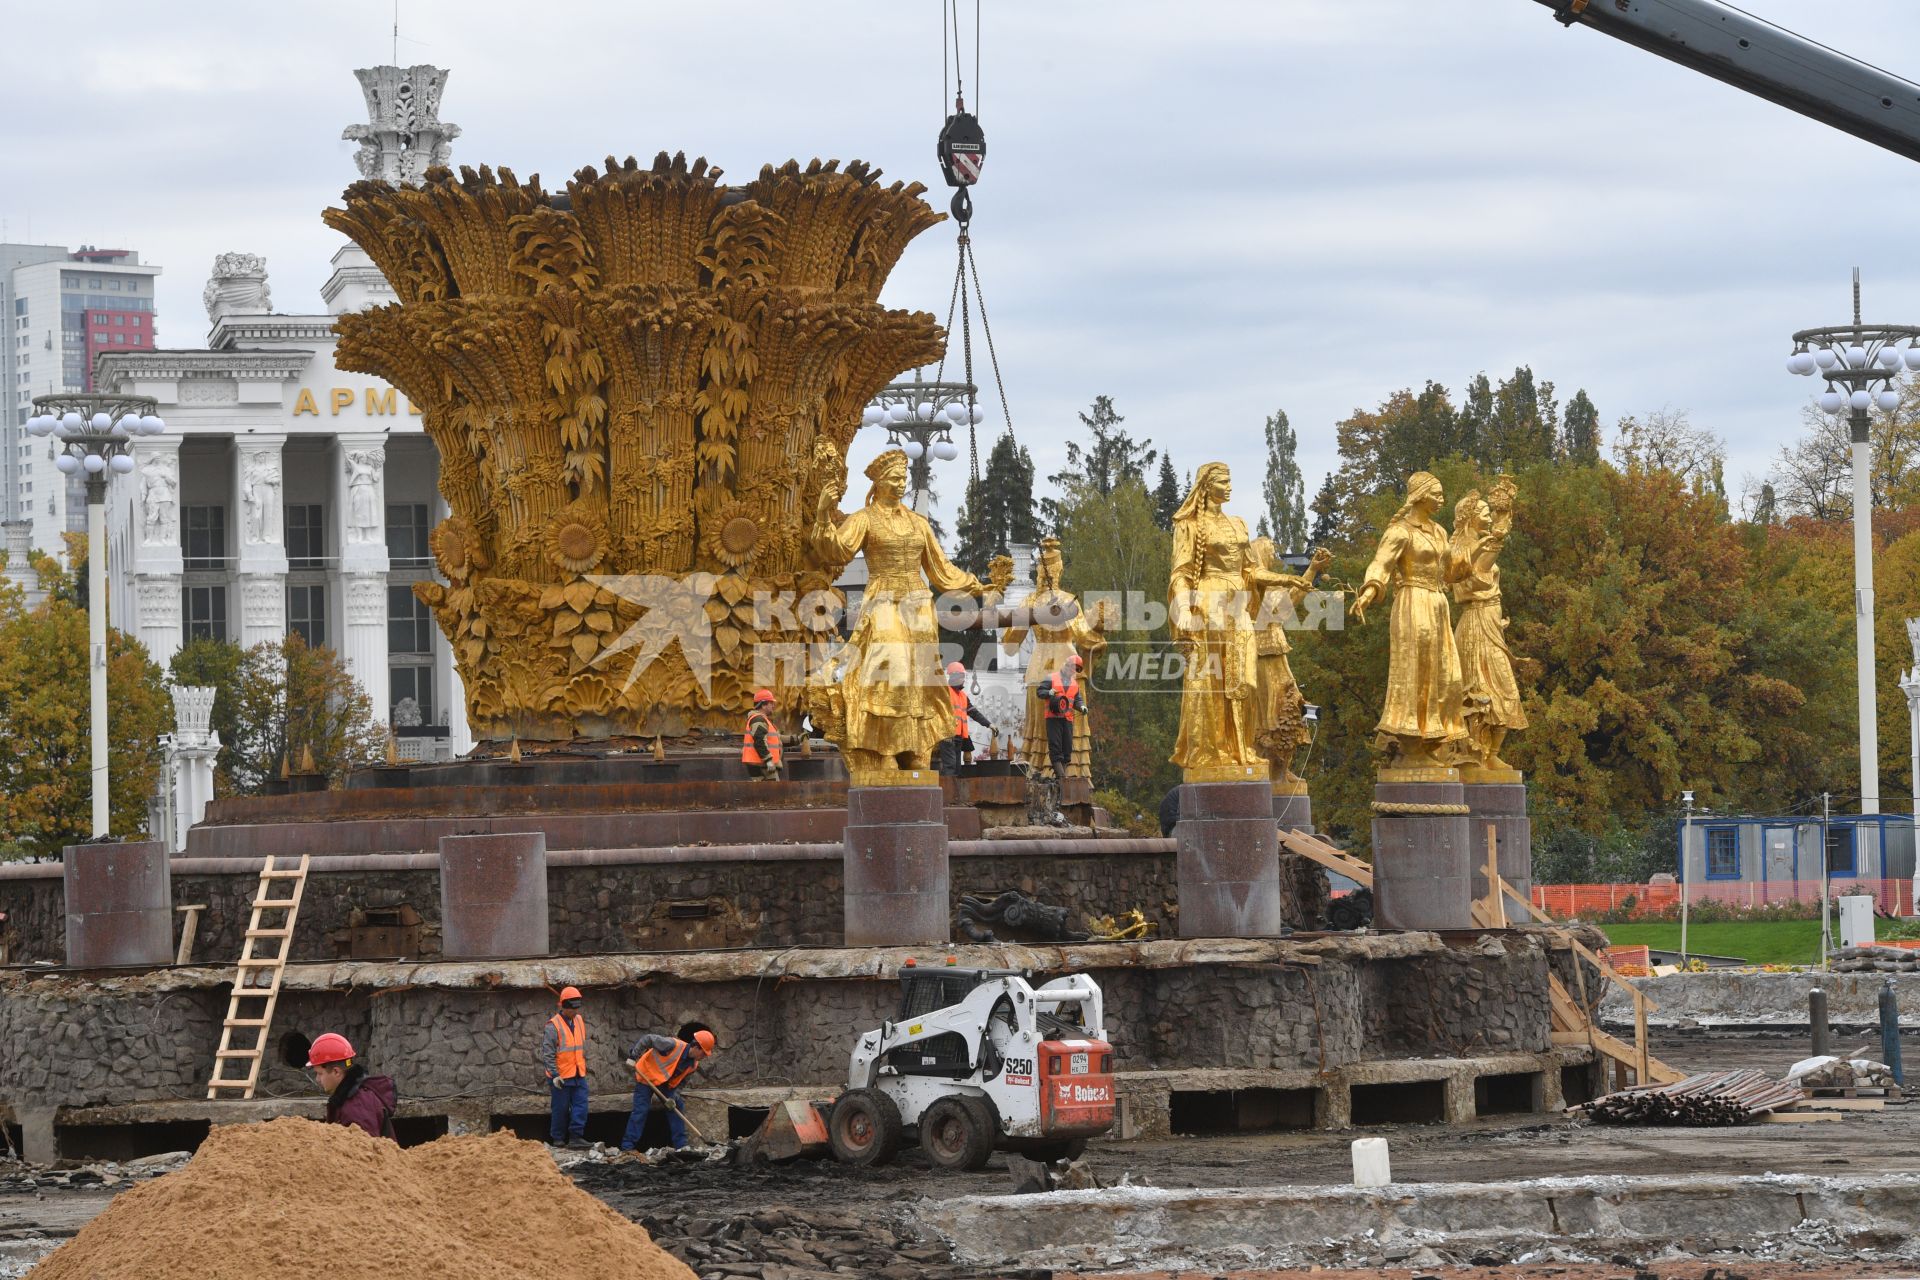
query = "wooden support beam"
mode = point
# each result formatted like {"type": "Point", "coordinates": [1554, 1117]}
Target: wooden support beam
{"type": "Point", "coordinates": [1326, 855]}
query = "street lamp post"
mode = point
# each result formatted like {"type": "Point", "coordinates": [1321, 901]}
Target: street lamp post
{"type": "Point", "coordinates": [1686, 842]}
{"type": "Point", "coordinates": [97, 435]}
{"type": "Point", "coordinates": [919, 418]}
{"type": "Point", "coordinates": [1910, 685]}
{"type": "Point", "coordinates": [1859, 363]}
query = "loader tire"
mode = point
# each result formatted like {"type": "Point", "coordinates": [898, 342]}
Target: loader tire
{"type": "Point", "coordinates": [1053, 1150]}
{"type": "Point", "coordinates": [864, 1128]}
{"type": "Point", "coordinates": [956, 1133]}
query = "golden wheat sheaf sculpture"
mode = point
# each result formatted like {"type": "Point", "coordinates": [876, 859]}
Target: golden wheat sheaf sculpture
{"type": "Point", "coordinates": [628, 380]}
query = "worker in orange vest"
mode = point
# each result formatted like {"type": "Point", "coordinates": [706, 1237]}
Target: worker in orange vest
{"type": "Point", "coordinates": [563, 1055]}
{"type": "Point", "coordinates": [958, 749]}
{"type": "Point", "coordinates": [760, 743]}
{"type": "Point", "coordinates": [661, 1064]}
{"type": "Point", "coordinates": [1064, 700]}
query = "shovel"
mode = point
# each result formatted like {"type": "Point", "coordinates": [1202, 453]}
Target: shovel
{"type": "Point", "coordinates": [674, 1107]}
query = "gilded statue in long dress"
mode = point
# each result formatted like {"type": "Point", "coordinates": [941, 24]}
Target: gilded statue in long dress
{"type": "Point", "coordinates": [1421, 725]}
{"type": "Point", "coordinates": [1280, 727]}
{"type": "Point", "coordinates": [1492, 697]}
{"type": "Point", "coordinates": [1208, 597]}
{"type": "Point", "coordinates": [1052, 645]}
{"type": "Point", "coordinates": [891, 705]}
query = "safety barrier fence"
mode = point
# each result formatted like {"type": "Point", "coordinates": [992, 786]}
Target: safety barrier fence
{"type": "Point", "coordinates": [1564, 901]}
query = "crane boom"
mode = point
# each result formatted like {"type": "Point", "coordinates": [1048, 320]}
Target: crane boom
{"type": "Point", "coordinates": [1769, 62]}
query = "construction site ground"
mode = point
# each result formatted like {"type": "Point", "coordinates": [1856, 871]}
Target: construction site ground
{"type": "Point", "coordinates": [811, 1219]}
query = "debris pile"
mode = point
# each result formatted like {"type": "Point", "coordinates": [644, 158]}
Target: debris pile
{"type": "Point", "coordinates": [1714, 1098]}
{"type": "Point", "coordinates": [290, 1197]}
{"type": "Point", "coordinates": [1841, 1073]}
{"type": "Point", "coordinates": [1876, 960]}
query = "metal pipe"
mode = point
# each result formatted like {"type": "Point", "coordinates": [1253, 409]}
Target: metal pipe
{"type": "Point", "coordinates": [1818, 1024]}
{"type": "Point", "coordinates": [1890, 1031]}
{"type": "Point", "coordinates": [1869, 693]}
{"type": "Point", "coordinates": [97, 641]}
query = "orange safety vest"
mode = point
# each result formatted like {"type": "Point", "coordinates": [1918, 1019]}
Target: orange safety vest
{"type": "Point", "coordinates": [571, 1059]}
{"type": "Point", "coordinates": [664, 1073]}
{"type": "Point", "coordinates": [1055, 690]}
{"type": "Point", "coordinates": [747, 753]}
{"type": "Point", "coordinates": [960, 704]}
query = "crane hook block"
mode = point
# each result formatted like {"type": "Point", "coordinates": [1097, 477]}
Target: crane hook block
{"type": "Point", "coordinates": [962, 149]}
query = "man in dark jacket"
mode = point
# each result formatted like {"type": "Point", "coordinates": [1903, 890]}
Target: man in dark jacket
{"type": "Point", "coordinates": [354, 1098]}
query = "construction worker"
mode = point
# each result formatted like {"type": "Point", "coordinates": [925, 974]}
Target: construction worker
{"type": "Point", "coordinates": [760, 743]}
{"type": "Point", "coordinates": [354, 1098]}
{"type": "Point", "coordinates": [563, 1055]}
{"type": "Point", "coordinates": [1063, 700]}
{"type": "Point", "coordinates": [958, 750]}
{"type": "Point", "coordinates": [661, 1064]}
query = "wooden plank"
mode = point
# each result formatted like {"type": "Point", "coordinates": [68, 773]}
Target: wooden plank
{"type": "Point", "coordinates": [1496, 887]}
{"type": "Point", "coordinates": [1842, 1104]}
{"type": "Point", "coordinates": [1799, 1117]}
{"type": "Point", "coordinates": [1327, 856]}
{"type": "Point", "coordinates": [1570, 1039]}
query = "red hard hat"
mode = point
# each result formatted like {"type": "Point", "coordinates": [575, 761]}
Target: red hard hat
{"type": "Point", "coordinates": [956, 669]}
{"type": "Point", "coordinates": [331, 1047]}
{"type": "Point", "coordinates": [705, 1040]}
{"type": "Point", "coordinates": [569, 993]}
{"type": "Point", "coordinates": [762, 695]}
{"type": "Point", "coordinates": [1075, 661]}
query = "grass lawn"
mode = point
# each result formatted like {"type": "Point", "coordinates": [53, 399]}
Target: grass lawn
{"type": "Point", "coordinates": [1761, 941]}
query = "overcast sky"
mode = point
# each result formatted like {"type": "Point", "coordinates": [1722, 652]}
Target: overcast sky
{"type": "Point", "coordinates": [1207, 210]}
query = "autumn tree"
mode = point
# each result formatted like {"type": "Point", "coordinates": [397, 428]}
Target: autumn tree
{"type": "Point", "coordinates": [1814, 475]}
{"type": "Point", "coordinates": [280, 700]}
{"type": "Point", "coordinates": [1665, 440]}
{"type": "Point", "coordinates": [46, 788]}
{"type": "Point", "coordinates": [1283, 489]}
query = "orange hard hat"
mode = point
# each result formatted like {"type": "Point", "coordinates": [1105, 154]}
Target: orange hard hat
{"type": "Point", "coordinates": [1075, 661]}
{"type": "Point", "coordinates": [762, 695]}
{"type": "Point", "coordinates": [956, 669]}
{"type": "Point", "coordinates": [329, 1048]}
{"type": "Point", "coordinates": [569, 993]}
{"type": "Point", "coordinates": [705, 1040]}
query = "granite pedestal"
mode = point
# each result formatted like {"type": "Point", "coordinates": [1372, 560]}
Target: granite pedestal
{"type": "Point", "coordinates": [1292, 807]}
{"type": "Point", "coordinates": [895, 852]}
{"type": "Point", "coordinates": [493, 895]}
{"type": "Point", "coordinates": [119, 904]}
{"type": "Point", "coordinates": [1227, 860]}
{"type": "Point", "coordinates": [1501, 805]}
{"type": "Point", "coordinates": [1422, 861]}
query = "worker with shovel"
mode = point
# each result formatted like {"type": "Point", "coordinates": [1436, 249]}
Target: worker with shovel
{"type": "Point", "coordinates": [661, 1064]}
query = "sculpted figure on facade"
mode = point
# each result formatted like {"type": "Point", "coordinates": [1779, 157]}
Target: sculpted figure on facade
{"type": "Point", "coordinates": [1213, 581]}
{"type": "Point", "coordinates": [364, 516]}
{"type": "Point", "coordinates": [261, 491]}
{"type": "Point", "coordinates": [1081, 634]}
{"type": "Point", "coordinates": [238, 286]}
{"type": "Point", "coordinates": [1421, 724]}
{"type": "Point", "coordinates": [895, 706]}
{"type": "Point", "coordinates": [159, 511]}
{"type": "Point", "coordinates": [1280, 726]}
{"type": "Point", "coordinates": [1492, 707]}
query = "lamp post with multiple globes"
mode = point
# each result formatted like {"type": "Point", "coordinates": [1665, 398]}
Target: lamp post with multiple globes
{"type": "Point", "coordinates": [1860, 363]}
{"type": "Point", "coordinates": [919, 418]}
{"type": "Point", "coordinates": [96, 434]}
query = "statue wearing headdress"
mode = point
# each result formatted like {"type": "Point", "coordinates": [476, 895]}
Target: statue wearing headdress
{"type": "Point", "coordinates": [1213, 579]}
{"type": "Point", "coordinates": [1421, 725]}
{"type": "Point", "coordinates": [1492, 697]}
{"type": "Point", "coordinates": [890, 695]}
{"type": "Point", "coordinates": [1280, 727]}
{"type": "Point", "coordinates": [1080, 636]}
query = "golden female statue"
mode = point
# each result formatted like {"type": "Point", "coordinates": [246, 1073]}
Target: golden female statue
{"type": "Point", "coordinates": [892, 696]}
{"type": "Point", "coordinates": [1208, 595]}
{"type": "Point", "coordinates": [1492, 701]}
{"type": "Point", "coordinates": [1052, 645]}
{"type": "Point", "coordinates": [1420, 726]}
{"type": "Point", "coordinates": [1280, 728]}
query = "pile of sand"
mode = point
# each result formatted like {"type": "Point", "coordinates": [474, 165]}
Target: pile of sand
{"type": "Point", "coordinates": [295, 1198]}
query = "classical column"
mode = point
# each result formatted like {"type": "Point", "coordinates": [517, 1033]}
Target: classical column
{"type": "Point", "coordinates": [156, 545]}
{"type": "Point", "coordinates": [196, 745]}
{"type": "Point", "coordinates": [360, 460]}
{"type": "Point", "coordinates": [1422, 850]}
{"type": "Point", "coordinates": [259, 537]}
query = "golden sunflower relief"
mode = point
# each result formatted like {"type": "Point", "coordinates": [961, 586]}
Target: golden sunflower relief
{"type": "Point", "coordinates": [638, 384]}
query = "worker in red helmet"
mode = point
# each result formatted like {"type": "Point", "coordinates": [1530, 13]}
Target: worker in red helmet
{"type": "Point", "coordinates": [354, 1098]}
{"type": "Point", "coordinates": [563, 1056]}
{"type": "Point", "coordinates": [1064, 701]}
{"type": "Point", "coordinates": [958, 750]}
{"type": "Point", "coordinates": [760, 743]}
{"type": "Point", "coordinates": [661, 1064]}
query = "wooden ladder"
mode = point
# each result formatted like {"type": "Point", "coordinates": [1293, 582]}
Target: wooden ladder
{"type": "Point", "coordinates": [257, 979]}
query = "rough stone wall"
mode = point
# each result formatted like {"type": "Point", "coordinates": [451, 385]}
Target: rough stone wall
{"type": "Point", "coordinates": [1489, 997]}
{"type": "Point", "coordinates": [660, 906]}
{"type": "Point", "coordinates": [74, 1041]}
